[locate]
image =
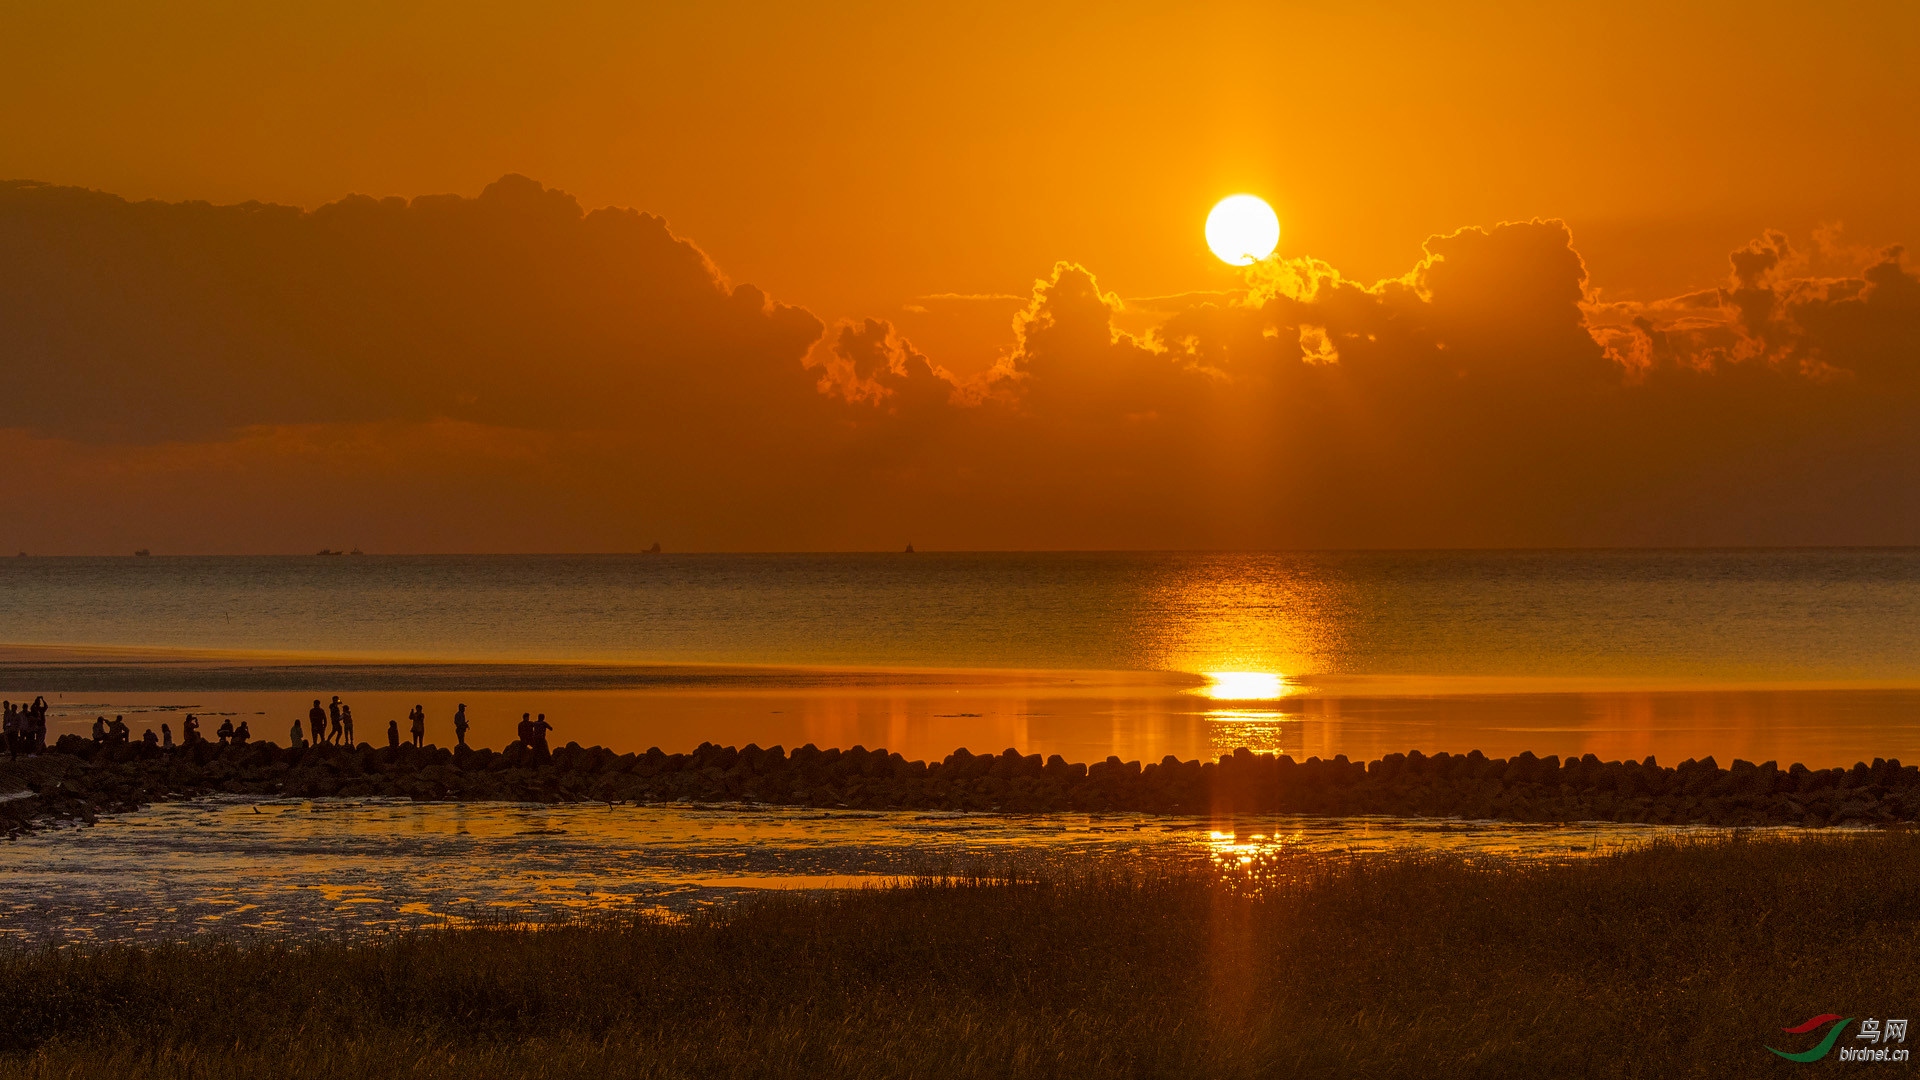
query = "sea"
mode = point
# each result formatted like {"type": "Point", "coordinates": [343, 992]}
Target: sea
{"type": "Point", "coordinates": [1794, 655]}
{"type": "Point", "coordinates": [1802, 655]}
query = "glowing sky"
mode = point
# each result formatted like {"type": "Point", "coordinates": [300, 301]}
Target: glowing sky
{"type": "Point", "coordinates": [922, 168]}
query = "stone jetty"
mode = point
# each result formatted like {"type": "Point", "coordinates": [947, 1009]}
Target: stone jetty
{"type": "Point", "coordinates": [79, 780]}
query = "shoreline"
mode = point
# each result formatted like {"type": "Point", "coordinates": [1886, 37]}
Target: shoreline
{"type": "Point", "coordinates": [77, 780]}
{"type": "Point", "coordinates": [1295, 965]}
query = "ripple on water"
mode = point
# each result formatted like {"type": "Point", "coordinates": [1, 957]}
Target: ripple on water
{"type": "Point", "coordinates": [357, 865]}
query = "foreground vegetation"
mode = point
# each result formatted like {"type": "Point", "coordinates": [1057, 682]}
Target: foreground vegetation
{"type": "Point", "coordinates": [1674, 960]}
{"type": "Point", "coordinates": [81, 779]}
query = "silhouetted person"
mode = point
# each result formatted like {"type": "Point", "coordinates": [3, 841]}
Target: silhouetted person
{"type": "Point", "coordinates": [225, 731]}
{"type": "Point", "coordinates": [149, 738]}
{"type": "Point", "coordinates": [346, 723]}
{"type": "Point", "coordinates": [540, 729]}
{"type": "Point", "coordinates": [298, 736]}
{"type": "Point", "coordinates": [460, 724]}
{"type": "Point", "coordinates": [190, 729]}
{"type": "Point", "coordinates": [523, 733]}
{"type": "Point", "coordinates": [99, 730]}
{"type": "Point", "coordinates": [118, 732]}
{"type": "Point", "coordinates": [419, 728]}
{"type": "Point", "coordinates": [241, 734]}
{"type": "Point", "coordinates": [317, 722]}
{"type": "Point", "coordinates": [393, 735]}
{"type": "Point", "coordinates": [166, 737]}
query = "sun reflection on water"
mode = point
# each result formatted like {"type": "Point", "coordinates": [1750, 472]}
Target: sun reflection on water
{"type": "Point", "coordinates": [1245, 686]}
{"type": "Point", "coordinates": [1255, 728]}
{"type": "Point", "coordinates": [1263, 731]}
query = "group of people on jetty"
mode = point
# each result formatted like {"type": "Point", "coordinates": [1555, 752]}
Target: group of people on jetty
{"type": "Point", "coordinates": [26, 727]}
{"type": "Point", "coordinates": [329, 725]}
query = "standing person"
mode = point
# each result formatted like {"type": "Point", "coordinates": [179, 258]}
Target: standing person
{"type": "Point", "coordinates": [317, 722]}
{"type": "Point", "coordinates": [419, 718]}
{"type": "Point", "coordinates": [523, 733]}
{"type": "Point", "coordinates": [346, 722]}
{"type": "Point", "coordinates": [335, 729]}
{"type": "Point", "coordinates": [460, 724]}
{"type": "Point", "coordinates": [393, 734]}
{"type": "Point", "coordinates": [99, 730]}
{"type": "Point", "coordinates": [39, 722]}
{"type": "Point", "coordinates": [298, 736]}
{"type": "Point", "coordinates": [166, 736]}
{"type": "Point", "coordinates": [11, 727]}
{"type": "Point", "coordinates": [190, 729]}
{"type": "Point", "coordinates": [540, 729]}
{"type": "Point", "coordinates": [118, 732]}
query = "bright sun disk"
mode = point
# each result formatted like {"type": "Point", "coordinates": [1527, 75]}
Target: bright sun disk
{"type": "Point", "coordinates": [1242, 229]}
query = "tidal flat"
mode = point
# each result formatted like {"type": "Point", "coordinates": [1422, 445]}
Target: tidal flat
{"type": "Point", "coordinates": [1675, 958]}
{"type": "Point", "coordinates": [232, 866]}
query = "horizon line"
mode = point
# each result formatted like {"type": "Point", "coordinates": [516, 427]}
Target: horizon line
{"type": "Point", "coordinates": [639, 552]}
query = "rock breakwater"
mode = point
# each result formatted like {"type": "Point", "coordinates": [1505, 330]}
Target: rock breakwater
{"type": "Point", "coordinates": [79, 780]}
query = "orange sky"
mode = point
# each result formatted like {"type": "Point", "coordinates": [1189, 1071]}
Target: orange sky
{"type": "Point", "coordinates": [853, 161]}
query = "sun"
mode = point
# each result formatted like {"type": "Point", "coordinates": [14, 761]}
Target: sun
{"type": "Point", "coordinates": [1242, 229]}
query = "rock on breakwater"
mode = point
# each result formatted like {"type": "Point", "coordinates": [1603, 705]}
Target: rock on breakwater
{"type": "Point", "coordinates": [79, 780]}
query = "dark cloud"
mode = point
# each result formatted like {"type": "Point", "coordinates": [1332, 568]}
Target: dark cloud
{"type": "Point", "coordinates": [1482, 398]}
{"type": "Point", "coordinates": [870, 363]}
{"type": "Point", "coordinates": [592, 378]}
{"type": "Point", "coordinates": [142, 321]}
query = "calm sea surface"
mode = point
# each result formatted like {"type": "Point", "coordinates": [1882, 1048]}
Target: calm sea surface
{"type": "Point", "coordinates": [1802, 655]}
{"type": "Point", "coordinates": [1720, 616]}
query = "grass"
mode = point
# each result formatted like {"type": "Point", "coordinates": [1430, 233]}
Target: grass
{"type": "Point", "coordinates": [1680, 959]}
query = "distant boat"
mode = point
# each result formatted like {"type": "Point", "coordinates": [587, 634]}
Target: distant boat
{"type": "Point", "coordinates": [143, 552]}
{"type": "Point", "coordinates": [909, 550]}
{"type": "Point", "coordinates": [654, 550]}
{"type": "Point", "coordinates": [356, 551]}
{"type": "Point", "coordinates": [329, 551]}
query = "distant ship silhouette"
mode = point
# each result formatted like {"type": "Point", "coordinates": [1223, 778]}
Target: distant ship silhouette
{"type": "Point", "coordinates": [142, 552]}
{"type": "Point", "coordinates": [909, 550]}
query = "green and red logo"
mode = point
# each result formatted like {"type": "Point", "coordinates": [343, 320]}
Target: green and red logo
{"type": "Point", "coordinates": [1825, 1045]}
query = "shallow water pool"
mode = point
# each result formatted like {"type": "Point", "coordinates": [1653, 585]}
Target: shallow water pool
{"type": "Point", "coordinates": [226, 865]}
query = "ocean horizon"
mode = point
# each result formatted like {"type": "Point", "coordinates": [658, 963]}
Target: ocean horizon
{"type": "Point", "coordinates": [1806, 654]}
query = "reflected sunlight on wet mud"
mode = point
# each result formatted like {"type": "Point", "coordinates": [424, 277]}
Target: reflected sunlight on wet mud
{"type": "Point", "coordinates": [342, 865]}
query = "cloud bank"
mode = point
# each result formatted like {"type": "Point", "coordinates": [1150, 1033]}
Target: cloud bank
{"type": "Point", "coordinates": [509, 372]}
{"type": "Point", "coordinates": [149, 321]}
